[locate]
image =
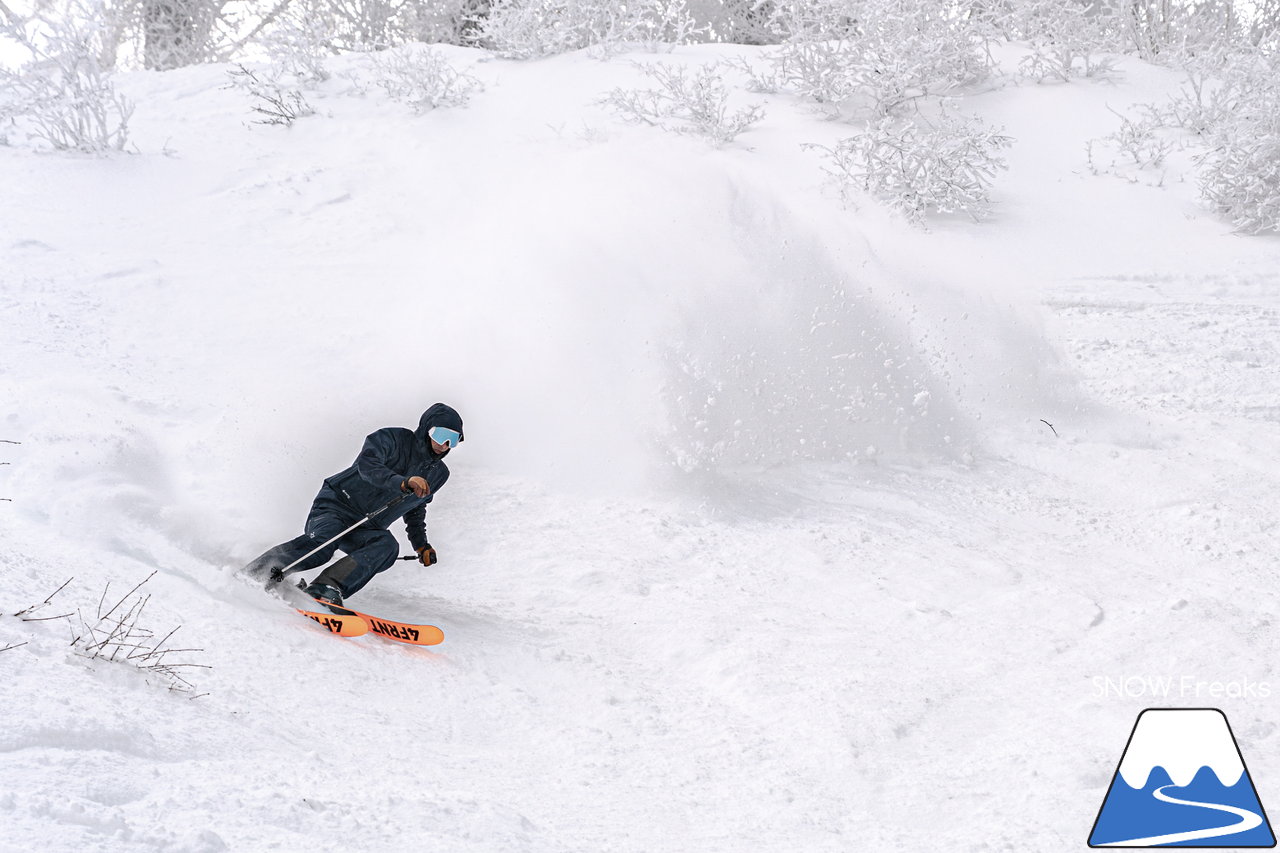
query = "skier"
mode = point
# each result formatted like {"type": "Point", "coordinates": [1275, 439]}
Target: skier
{"type": "Point", "coordinates": [394, 463]}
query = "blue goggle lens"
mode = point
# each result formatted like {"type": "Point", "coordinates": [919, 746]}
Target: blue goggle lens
{"type": "Point", "coordinates": [443, 435]}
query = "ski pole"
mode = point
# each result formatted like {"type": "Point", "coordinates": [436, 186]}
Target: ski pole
{"type": "Point", "coordinates": [277, 575]}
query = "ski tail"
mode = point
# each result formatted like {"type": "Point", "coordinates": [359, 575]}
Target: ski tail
{"type": "Point", "coordinates": [342, 624]}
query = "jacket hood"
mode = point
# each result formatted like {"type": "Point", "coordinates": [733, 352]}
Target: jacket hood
{"type": "Point", "coordinates": [439, 415]}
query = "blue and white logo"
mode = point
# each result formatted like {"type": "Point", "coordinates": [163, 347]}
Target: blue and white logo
{"type": "Point", "coordinates": [1182, 783]}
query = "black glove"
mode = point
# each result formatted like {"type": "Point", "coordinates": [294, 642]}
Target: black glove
{"type": "Point", "coordinates": [427, 555]}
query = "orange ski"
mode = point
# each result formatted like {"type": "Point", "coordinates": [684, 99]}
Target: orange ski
{"type": "Point", "coordinates": [342, 625]}
{"type": "Point", "coordinates": [401, 632]}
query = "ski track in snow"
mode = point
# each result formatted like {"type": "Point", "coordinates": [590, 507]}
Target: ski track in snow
{"type": "Point", "coordinates": [797, 656]}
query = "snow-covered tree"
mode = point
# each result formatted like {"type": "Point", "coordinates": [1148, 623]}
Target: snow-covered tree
{"type": "Point", "coordinates": [177, 32]}
{"type": "Point", "coordinates": [1066, 38]}
{"type": "Point", "coordinates": [63, 94]}
{"type": "Point", "coordinates": [739, 21]}
{"type": "Point", "coordinates": [1264, 24]}
{"type": "Point", "coordinates": [526, 29]}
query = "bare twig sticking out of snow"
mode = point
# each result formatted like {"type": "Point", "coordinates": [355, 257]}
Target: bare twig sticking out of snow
{"type": "Point", "coordinates": [117, 635]}
{"type": "Point", "coordinates": [1050, 426]}
{"type": "Point", "coordinates": [273, 104]}
{"type": "Point", "coordinates": [7, 441]}
{"type": "Point", "coordinates": [25, 613]}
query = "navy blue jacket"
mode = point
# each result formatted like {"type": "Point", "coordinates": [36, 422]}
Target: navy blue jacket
{"type": "Point", "coordinates": [389, 457]}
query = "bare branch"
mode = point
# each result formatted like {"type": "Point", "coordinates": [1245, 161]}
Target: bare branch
{"type": "Point", "coordinates": [131, 592]}
{"type": "Point", "coordinates": [47, 618]}
{"type": "Point", "coordinates": [9, 15]}
{"type": "Point", "coordinates": [118, 635]}
{"type": "Point", "coordinates": [33, 608]}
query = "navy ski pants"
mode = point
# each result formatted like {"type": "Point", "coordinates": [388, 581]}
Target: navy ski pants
{"type": "Point", "coordinates": [373, 550]}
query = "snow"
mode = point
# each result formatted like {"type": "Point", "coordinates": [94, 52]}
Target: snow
{"type": "Point", "coordinates": [779, 525]}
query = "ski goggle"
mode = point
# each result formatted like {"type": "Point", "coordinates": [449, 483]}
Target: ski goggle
{"type": "Point", "coordinates": [443, 435]}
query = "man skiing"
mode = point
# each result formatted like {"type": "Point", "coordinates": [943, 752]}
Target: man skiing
{"type": "Point", "coordinates": [397, 473]}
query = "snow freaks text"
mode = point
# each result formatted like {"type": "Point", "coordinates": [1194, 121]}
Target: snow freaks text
{"type": "Point", "coordinates": [1180, 687]}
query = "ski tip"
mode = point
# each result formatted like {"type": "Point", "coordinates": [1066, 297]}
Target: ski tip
{"type": "Point", "coordinates": [404, 632]}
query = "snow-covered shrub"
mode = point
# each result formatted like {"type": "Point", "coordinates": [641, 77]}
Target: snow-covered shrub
{"type": "Point", "coordinates": [527, 29]}
{"type": "Point", "coordinates": [422, 78]}
{"type": "Point", "coordinates": [1242, 180]}
{"type": "Point", "coordinates": [301, 40]}
{"type": "Point", "coordinates": [919, 168]}
{"type": "Point", "coordinates": [1197, 106]}
{"type": "Point", "coordinates": [1067, 39]}
{"type": "Point", "coordinates": [1159, 29]}
{"type": "Point", "coordinates": [1071, 38]}
{"type": "Point", "coordinates": [1139, 140]}
{"type": "Point", "coordinates": [64, 95]}
{"type": "Point", "coordinates": [698, 103]}
{"type": "Point", "coordinates": [1220, 84]}
{"type": "Point", "coordinates": [1241, 176]}
{"type": "Point", "coordinates": [273, 103]}
{"type": "Point", "coordinates": [1230, 107]}
{"type": "Point", "coordinates": [873, 56]}
{"type": "Point", "coordinates": [824, 71]}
